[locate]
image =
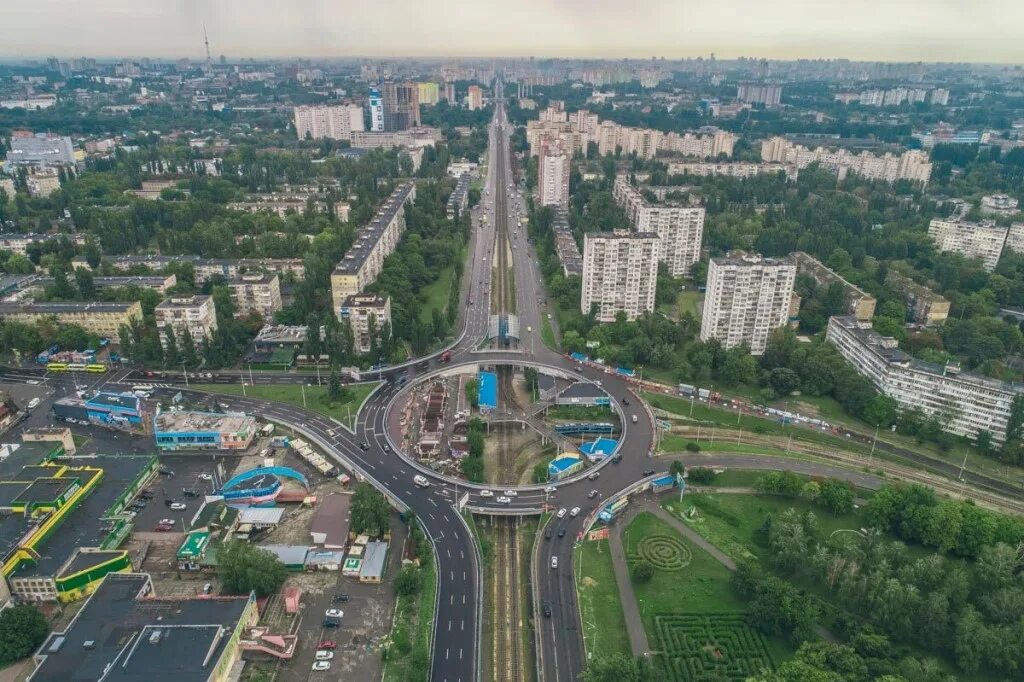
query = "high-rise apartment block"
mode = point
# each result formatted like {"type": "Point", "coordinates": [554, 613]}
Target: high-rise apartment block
{"type": "Point", "coordinates": [375, 242]}
{"type": "Point", "coordinates": [429, 93]}
{"type": "Point", "coordinates": [336, 122]}
{"type": "Point", "coordinates": [940, 97]}
{"type": "Point", "coordinates": [553, 173]}
{"type": "Point", "coordinates": [964, 403]}
{"type": "Point", "coordinates": [257, 293]}
{"type": "Point", "coordinates": [983, 240]}
{"type": "Point", "coordinates": [754, 93]}
{"type": "Point", "coordinates": [620, 273]}
{"type": "Point", "coordinates": [910, 165]}
{"type": "Point", "coordinates": [679, 228]}
{"type": "Point", "coordinates": [197, 314]}
{"type": "Point", "coordinates": [366, 314]}
{"type": "Point", "coordinates": [475, 98]}
{"type": "Point", "coordinates": [401, 103]}
{"type": "Point", "coordinates": [376, 106]}
{"type": "Point", "coordinates": [748, 297]}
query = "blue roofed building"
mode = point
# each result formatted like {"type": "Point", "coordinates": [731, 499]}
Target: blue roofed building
{"type": "Point", "coordinates": [564, 466]}
{"type": "Point", "coordinates": [488, 391]}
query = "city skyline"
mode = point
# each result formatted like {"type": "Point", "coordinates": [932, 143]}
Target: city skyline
{"type": "Point", "coordinates": [320, 29]}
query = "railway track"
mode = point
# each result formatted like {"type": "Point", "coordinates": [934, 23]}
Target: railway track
{"type": "Point", "coordinates": [508, 664]}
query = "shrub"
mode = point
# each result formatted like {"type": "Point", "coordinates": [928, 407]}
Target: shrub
{"type": "Point", "coordinates": [643, 571]}
{"type": "Point", "coordinates": [692, 447]}
{"type": "Point", "coordinates": [701, 476]}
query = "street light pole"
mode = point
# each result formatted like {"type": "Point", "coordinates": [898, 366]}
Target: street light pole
{"type": "Point", "coordinates": [302, 387]}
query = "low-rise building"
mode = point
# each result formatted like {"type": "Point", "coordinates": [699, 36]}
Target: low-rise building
{"type": "Point", "coordinates": [366, 314]}
{"type": "Point", "coordinates": [258, 293]}
{"type": "Point", "coordinates": [43, 182]}
{"type": "Point", "coordinates": [859, 303]}
{"type": "Point", "coordinates": [186, 430]}
{"type": "Point", "coordinates": [565, 244]}
{"type": "Point", "coordinates": [924, 305]}
{"type": "Point", "coordinates": [40, 150]}
{"type": "Point", "coordinates": [732, 169]}
{"type": "Point", "coordinates": [964, 403]}
{"type": "Point", "coordinates": [999, 205]}
{"type": "Point", "coordinates": [197, 314]}
{"type": "Point", "coordinates": [102, 319]}
{"type": "Point", "coordinates": [205, 268]}
{"type": "Point", "coordinates": [17, 242]}
{"type": "Point", "coordinates": [158, 283]}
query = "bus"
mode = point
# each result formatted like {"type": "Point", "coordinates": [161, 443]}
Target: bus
{"type": "Point", "coordinates": [97, 368]}
{"type": "Point", "coordinates": [142, 390]}
{"type": "Point", "coordinates": [56, 367]}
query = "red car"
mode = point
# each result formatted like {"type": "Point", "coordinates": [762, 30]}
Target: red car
{"type": "Point", "coordinates": [163, 528]}
{"type": "Point", "coordinates": [327, 644]}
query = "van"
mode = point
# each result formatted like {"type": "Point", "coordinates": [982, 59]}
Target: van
{"type": "Point", "coordinates": [421, 481]}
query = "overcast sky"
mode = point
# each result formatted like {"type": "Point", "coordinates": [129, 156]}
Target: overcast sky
{"type": "Point", "coordinates": [893, 30]}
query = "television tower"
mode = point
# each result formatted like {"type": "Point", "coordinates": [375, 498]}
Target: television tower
{"type": "Point", "coordinates": [206, 41]}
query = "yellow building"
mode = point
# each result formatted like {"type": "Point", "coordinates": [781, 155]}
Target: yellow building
{"type": "Point", "coordinates": [102, 319]}
{"type": "Point", "coordinates": [429, 93]}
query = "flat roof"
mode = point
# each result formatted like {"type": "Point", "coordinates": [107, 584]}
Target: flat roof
{"type": "Point", "coordinates": [332, 518]}
{"type": "Point", "coordinates": [370, 234]}
{"type": "Point", "coordinates": [373, 560]}
{"type": "Point", "coordinates": [289, 555]}
{"type": "Point", "coordinates": [488, 394]}
{"type": "Point", "coordinates": [123, 400]}
{"type": "Point", "coordinates": [81, 561]}
{"type": "Point", "coordinates": [120, 635]}
{"type": "Point", "coordinates": [190, 422]}
{"type": "Point", "coordinates": [57, 308]}
{"type": "Point", "coordinates": [183, 302]}
{"type": "Point", "coordinates": [261, 515]}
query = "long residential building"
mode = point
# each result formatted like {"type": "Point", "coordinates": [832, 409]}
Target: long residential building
{"type": "Point", "coordinates": [205, 268]}
{"type": "Point", "coordinates": [158, 283]}
{"type": "Point", "coordinates": [965, 403]}
{"type": "Point", "coordinates": [197, 314]}
{"type": "Point", "coordinates": [680, 228]}
{"type": "Point", "coordinates": [924, 305]}
{"type": "Point", "coordinates": [859, 303]}
{"type": "Point", "coordinates": [756, 93]}
{"type": "Point", "coordinates": [553, 173]}
{"type": "Point", "coordinates": [983, 240]}
{"type": "Point", "coordinates": [102, 319]}
{"type": "Point", "coordinates": [565, 245]}
{"type": "Point", "coordinates": [17, 242]}
{"type": "Point", "coordinates": [620, 273]}
{"type": "Point", "coordinates": [336, 122]}
{"type": "Point", "coordinates": [748, 297]}
{"type": "Point", "coordinates": [459, 198]}
{"type": "Point", "coordinates": [366, 314]}
{"type": "Point", "coordinates": [734, 169]}
{"type": "Point", "coordinates": [375, 242]}
{"type": "Point", "coordinates": [910, 165]}
{"type": "Point", "coordinates": [258, 293]}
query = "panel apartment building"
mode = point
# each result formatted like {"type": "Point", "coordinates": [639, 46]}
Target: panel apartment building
{"type": "Point", "coordinates": [375, 242]}
{"type": "Point", "coordinates": [748, 297]}
{"type": "Point", "coordinates": [553, 173]}
{"type": "Point", "coordinates": [910, 165]}
{"type": "Point", "coordinates": [984, 240]}
{"type": "Point", "coordinates": [680, 228]}
{"type": "Point", "coordinates": [197, 313]}
{"type": "Point", "coordinates": [859, 303]}
{"type": "Point", "coordinates": [257, 293]}
{"type": "Point", "coordinates": [336, 122]}
{"type": "Point", "coordinates": [359, 310]}
{"type": "Point", "coordinates": [964, 402]}
{"type": "Point", "coordinates": [620, 273]}
{"type": "Point", "coordinates": [102, 319]}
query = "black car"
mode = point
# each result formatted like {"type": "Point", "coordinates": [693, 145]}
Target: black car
{"type": "Point", "coordinates": [546, 606]}
{"type": "Point", "coordinates": [364, 445]}
{"type": "Point", "coordinates": [648, 472]}
{"type": "Point", "coordinates": [625, 400]}
{"type": "Point", "coordinates": [339, 598]}
{"type": "Point", "coordinates": [547, 533]}
{"type": "Point", "coordinates": [561, 532]}
{"type": "Point", "coordinates": [189, 492]}
{"type": "Point", "coordinates": [146, 495]}
{"type": "Point", "coordinates": [168, 501]}
{"type": "Point", "coordinates": [616, 459]}
{"type": "Point", "coordinates": [331, 623]}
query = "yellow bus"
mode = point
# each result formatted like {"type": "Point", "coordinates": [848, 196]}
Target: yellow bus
{"type": "Point", "coordinates": [56, 367]}
{"type": "Point", "coordinates": [98, 368]}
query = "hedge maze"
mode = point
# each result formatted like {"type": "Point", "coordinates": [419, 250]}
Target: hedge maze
{"type": "Point", "coordinates": [709, 646]}
{"type": "Point", "coordinates": [664, 552]}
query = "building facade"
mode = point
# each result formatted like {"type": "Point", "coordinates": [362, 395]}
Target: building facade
{"type": "Point", "coordinates": [336, 122]}
{"type": "Point", "coordinates": [748, 297]}
{"type": "Point", "coordinates": [984, 240]}
{"type": "Point", "coordinates": [620, 273]}
{"type": "Point", "coordinates": [429, 93]}
{"type": "Point", "coordinates": [768, 95]}
{"type": "Point", "coordinates": [911, 165]}
{"type": "Point", "coordinates": [102, 319]}
{"type": "Point", "coordinates": [401, 105]}
{"type": "Point", "coordinates": [859, 303]}
{"type": "Point", "coordinates": [553, 173]}
{"type": "Point", "coordinates": [258, 293]}
{"type": "Point", "coordinates": [680, 228]}
{"type": "Point", "coordinates": [965, 403]}
{"type": "Point", "coordinates": [366, 315]}
{"type": "Point", "coordinates": [923, 305]}
{"type": "Point", "coordinates": [197, 314]}
{"type": "Point", "coordinates": [475, 98]}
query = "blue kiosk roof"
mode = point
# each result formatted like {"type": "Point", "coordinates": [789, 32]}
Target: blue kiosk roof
{"type": "Point", "coordinates": [488, 390]}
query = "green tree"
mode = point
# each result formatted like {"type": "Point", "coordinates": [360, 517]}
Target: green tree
{"type": "Point", "coordinates": [783, 381]}
{"type": "Point", "coordinates": [677, 468]}
{"type": "Point", "coordinates": [409, 581]}
{"type": "Point", "coordinates": [243, 568]}
{"type": "Point", "coordinates": [334, 390]}
{"type": "Point", "coordinates": [643, 571]}
{"type": "Point", "coordinates": [85, 284]}
{"type": "Point", "coordinates": [370, 511]}
{"type": "Point", "coordinates": [615, 668]}
{"type": "Point", "coordinates": [473, 392]}
{"type": "Point", "coordinates": [22, 629]}
{"type": "Point", "coordinates": [738, 366]}
{"type": "Point", "coordinates": [836, 496]}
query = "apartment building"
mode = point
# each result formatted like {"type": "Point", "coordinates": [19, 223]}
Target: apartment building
{"type": "Point", "coordinates": [7, 187]}
{"type": "Point", "coordinates": [158, 283]}
{"type": "Point", "coordinates": [401, 105]}
{"type": "Point", "coordinates": [18, 242]}
{"type": "Point", "coordinates": [375, 242]}
{"type": "Point", "coordinates": [706, 146]}
{"type": "Point", "coordinates": [101, 319]}
{"type": "Point", "coordinates": [748, 297]}
{"type": "Point", "coordinates": [43, 182]}
{"type": "Point", "coordinates": [422, 136]}
{"type": "Point", "coordinates": [197, 313]}
{"type": "Point", "coordinates": [336, 122]}
{"type": "Point", "coordinates": [680, 229]}
{"type": "Point", "coordinates": [910, 165]}
{"type": "Point", "coordinates": [553, 173]}
{"type": "Point", "coordinates": [40, 150]}
{"type": "Point", "coordinates": [366, 315]}
{"type": "Point", "coordinates": [965, 403]}
{"type": "Point", "coordinates": [859, 303]}
{"type": "Point", "coordinates": [429, 93]}
{"type": "Point", "coordinates": [737, 169]}
{"type": "Point", "coordinates": [565, 245]}
{"type": "Point", "coordinates": [984, 240]}
{"type": "Point", "coordinates": [923, 305]}
{"type": "Point", "coordinates": [999, 205]}
{"type": "Point", "coordinates": [459, 198]}
{"type": "Point", "coordinates": [754, 93]}
{"type": "Point", "coordinates": [555, 113]}
{"type": "Point", "coordinates": [475, 98]}
{"type": "Point", "coordinates": [1015, 238]}
{"type": "Point", "coordinates": [256, 293]}
{"type": "Point", "coordinates": [205, 268]}
{"type": "Point", "coordinates": [620, 273]}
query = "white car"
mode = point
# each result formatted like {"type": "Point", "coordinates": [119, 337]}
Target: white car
{"type": "Point", "coordinates": [206, 477]}
{"type": "Point", "coordinates": [34, 403]}
{"type": "Point", "coordinates": [511, 493]}
{"type": "Point", "coordinates": [335, 613]}
{"type": "Point", "coordinates": [324, 655]}
{"type": "Point", "coordinates": [550, 489]}
{"type": "Point", "coordinates": [169, 522]}
{"type": "Point", "coordinates": [178, 506]}
{"type": "Point", "coordinates": [561, 513]}
{"type": "Point", "coordinates": [504, 500]}
{"type": "Point", "coordinates": [575, 512]}
{"type": "Point", "coordinates": [322, 665]}
{"type": "Point", "coordinates": [554, 562]}
{"type": "Point", "coordinates": [32, 382]}
{"type": "Point", "coordinates": [486, 493]}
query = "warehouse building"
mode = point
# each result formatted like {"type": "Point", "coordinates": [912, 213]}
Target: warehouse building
{"type": "Point", "coordinates": [186, 430]}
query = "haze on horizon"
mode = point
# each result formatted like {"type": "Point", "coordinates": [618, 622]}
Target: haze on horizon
{"type": "Point", "coordinates": [870, 30]}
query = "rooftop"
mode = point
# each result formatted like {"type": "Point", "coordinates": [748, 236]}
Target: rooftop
{"type": "Point", "coordinates": [364, 301]}
{"type": "Point", "coordinates": [122, 634]}
{"type": "Point", "coordinates": [332, 518]}
{"type": "Point", "coordinates": [183, 302]}
{"type": "Point", "coordinates": [186, 421]}
{"type": "Point", "coordinates": [370, 233]}
{"type": "Point", "coordinates": [57, 308]}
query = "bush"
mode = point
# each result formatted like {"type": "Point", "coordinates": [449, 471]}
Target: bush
{"type": "Point", "coordinates": [22, 629]}
{"type": "Point", "coordinates": [643, 571]}
{"type": "Point", "coordinates": [700, 476]}
{"type": "Point", "coordinates": [409, 581]}
{"type": "Point", "coordinates": [692, 447]}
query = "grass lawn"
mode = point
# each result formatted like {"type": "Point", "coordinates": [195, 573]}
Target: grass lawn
{"type": "Point", "coordinates": [547, 334]}
{"type": "Point", "coordinates": [316, 397]}
{"type": "Point", "coordinates": [604, 626]}
{"type": "Point", "coordinates": [730, 521]}
{"type": "Point", "coordinates": [435, 295]}
{"type": "Point", "coordinates": [686, 302]}
{"type": "Point", "coordinates": [410, 636]}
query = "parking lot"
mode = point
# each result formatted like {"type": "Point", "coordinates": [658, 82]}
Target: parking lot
{"type": "Point", "coordinates": [197, 473]}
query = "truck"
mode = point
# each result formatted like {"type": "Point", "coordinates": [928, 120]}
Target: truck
{"type": "Point", "coordinates": [703, 393]}
{"type": "Point", "coordinates": [446, 356]}
{"type": "Point", "coordinates": [687, 390]}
